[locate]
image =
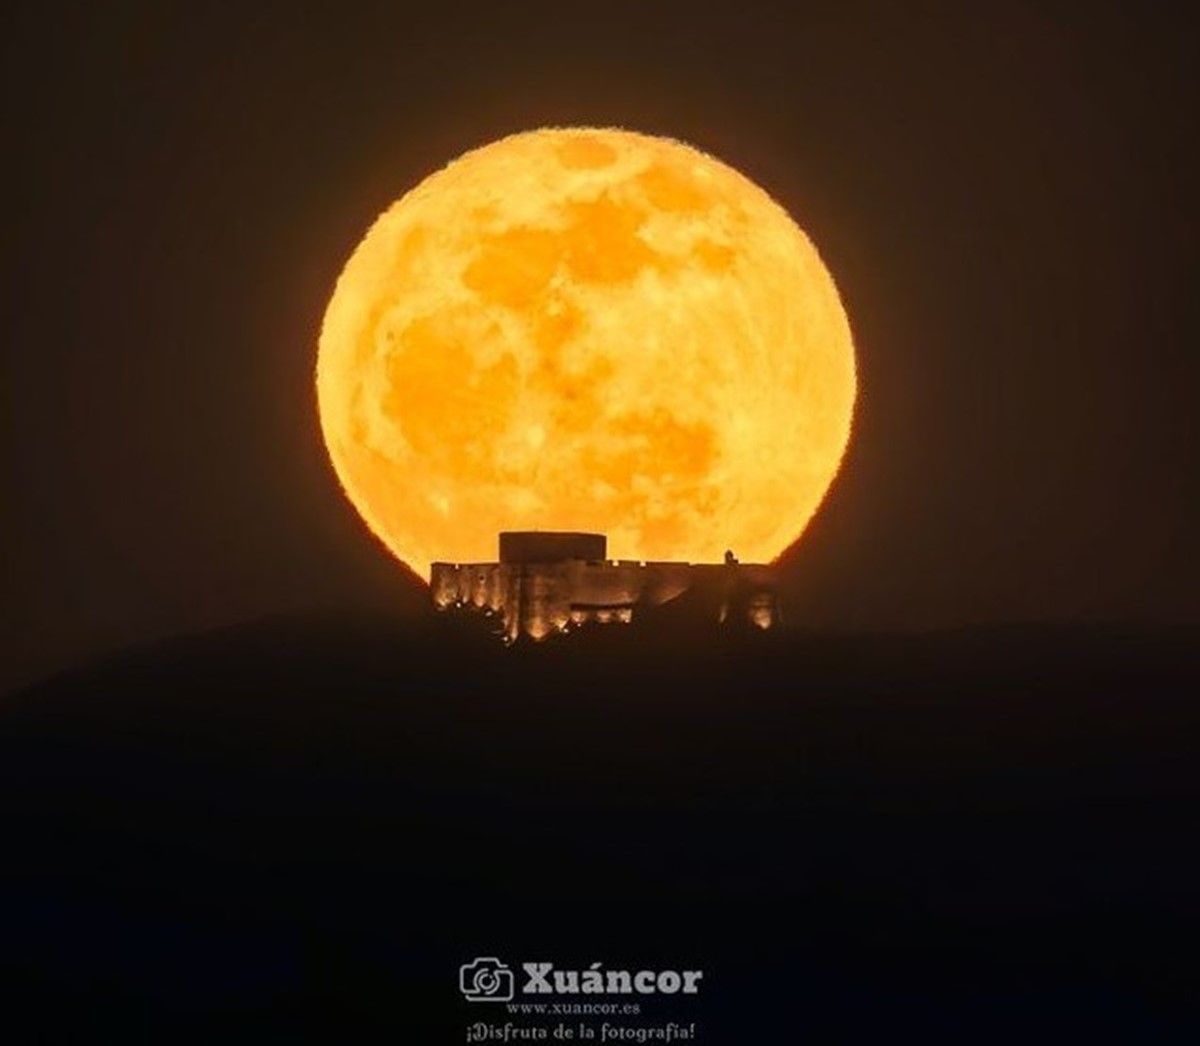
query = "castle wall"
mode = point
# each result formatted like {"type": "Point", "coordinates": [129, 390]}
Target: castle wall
{"type": "Point", "coordinates": [538, 599]}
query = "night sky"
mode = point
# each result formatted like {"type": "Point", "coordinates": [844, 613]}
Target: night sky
{"type": "Point", "coordinates": [1004, 194]}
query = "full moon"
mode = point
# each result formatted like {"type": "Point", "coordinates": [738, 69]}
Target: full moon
{"type": "Point", "coordinates": [586, 329]}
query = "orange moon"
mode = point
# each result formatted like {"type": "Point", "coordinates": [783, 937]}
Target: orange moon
{"type": "Point", "coordinates": [586, 329]}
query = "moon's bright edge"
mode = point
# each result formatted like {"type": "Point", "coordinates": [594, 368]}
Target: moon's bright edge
{"type": "Point", "coordinates": [586, 329]}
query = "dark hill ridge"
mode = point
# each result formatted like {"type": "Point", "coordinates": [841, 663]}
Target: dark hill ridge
{"type": "Point", "coordinates": [310, 824]}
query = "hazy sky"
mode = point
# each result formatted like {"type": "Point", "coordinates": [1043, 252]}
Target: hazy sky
{"type": "Point", "coordinates": [1006, 198]}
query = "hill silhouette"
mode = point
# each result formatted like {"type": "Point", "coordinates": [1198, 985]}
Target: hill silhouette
{"type": "Point", "coordinates": [302, 827]}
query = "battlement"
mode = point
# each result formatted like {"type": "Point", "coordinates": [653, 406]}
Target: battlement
{"type": "Point", "coordinates": [551, 546]}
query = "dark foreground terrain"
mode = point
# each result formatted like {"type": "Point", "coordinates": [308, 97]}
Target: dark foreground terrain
{"type": "Point", "coordinates": [297, 831]}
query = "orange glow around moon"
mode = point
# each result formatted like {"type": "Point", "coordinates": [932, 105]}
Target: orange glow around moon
{"type": "Point", "coordinates": [586, 329]}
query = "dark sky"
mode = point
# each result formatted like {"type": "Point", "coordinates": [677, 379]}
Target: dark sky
{"type": "Point", "coordinates": [1004, 193]}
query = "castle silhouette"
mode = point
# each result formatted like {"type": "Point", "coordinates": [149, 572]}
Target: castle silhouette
{"type": "Point", "coordinates": [548, 582]}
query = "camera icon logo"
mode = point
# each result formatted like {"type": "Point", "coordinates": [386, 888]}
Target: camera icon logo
{"type": "Point", "coordinates": [486, 980]}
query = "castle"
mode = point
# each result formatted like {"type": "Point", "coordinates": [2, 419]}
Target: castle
{"type": "Point", "coordinates": [550, 581]}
